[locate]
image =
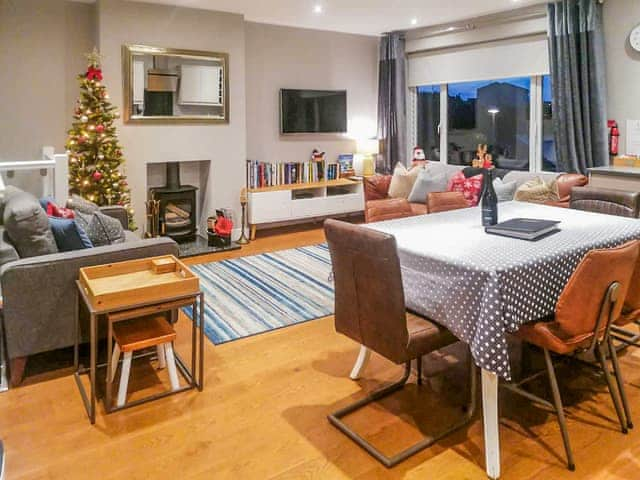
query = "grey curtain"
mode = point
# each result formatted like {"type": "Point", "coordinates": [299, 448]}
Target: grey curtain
{"type": "Point", "coordinates": [392, 93]}
{"type": "Point", "coordinates": [576, 51]}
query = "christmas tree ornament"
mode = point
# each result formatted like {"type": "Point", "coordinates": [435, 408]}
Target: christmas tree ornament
{"type": "Point", "coordinates": [84, 119]}
{"type": "Point", "coordinates": [97, 175]}
{"type": "Point", "coordinates": [99, 128]}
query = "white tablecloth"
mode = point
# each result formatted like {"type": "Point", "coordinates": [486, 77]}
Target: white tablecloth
{"type": "Point", "coordinates": [482, 286]}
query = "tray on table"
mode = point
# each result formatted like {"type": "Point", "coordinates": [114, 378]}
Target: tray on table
{"type": "Point", "coordinates": [124, 284]}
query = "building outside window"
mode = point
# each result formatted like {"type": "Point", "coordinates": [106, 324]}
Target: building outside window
{"type": "Point", "coordinates": [493, 112]}
{"type": "Point", "coordinates": [499, 113]}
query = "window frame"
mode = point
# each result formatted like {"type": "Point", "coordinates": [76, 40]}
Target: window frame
{"type": "Point", "coordinates": [535, 122]}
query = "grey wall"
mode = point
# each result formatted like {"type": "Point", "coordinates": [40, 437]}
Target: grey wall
{"type": "Point", "coordinates": [623, 63]}
{"type": "Point", "coordinates": [282, 57]}
{"type": "Point", "coordinates": [42, 43]}
{"type": "Point", "coordinates": [122, 22]}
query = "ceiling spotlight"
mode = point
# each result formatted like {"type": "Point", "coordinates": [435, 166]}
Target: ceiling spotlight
{"type": "Point", "coordinates": [414, 21]}
{"type": "Point", "coordinates": [317, 8]}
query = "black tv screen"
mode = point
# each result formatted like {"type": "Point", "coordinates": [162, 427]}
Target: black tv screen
{"type": "Point", "coordinates": [313, 111]}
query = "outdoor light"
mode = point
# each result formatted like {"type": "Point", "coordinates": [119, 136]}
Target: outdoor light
{"type": "Point", "coordinates": [493, 111]}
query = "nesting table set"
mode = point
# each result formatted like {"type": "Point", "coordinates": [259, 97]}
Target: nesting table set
{"type": "Point", "coordinates": [139, 300]}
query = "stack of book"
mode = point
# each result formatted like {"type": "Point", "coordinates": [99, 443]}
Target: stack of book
{"type": "Point", "coordinates": [263, 174]}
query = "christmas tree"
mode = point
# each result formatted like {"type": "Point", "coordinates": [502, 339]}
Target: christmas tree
{"type": "Point", "coordinates": [95, 156]}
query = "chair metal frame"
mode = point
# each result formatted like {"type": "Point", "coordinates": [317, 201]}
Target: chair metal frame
{"type": "Point", "coordinates": [336, 417]}
{"type": "Point", "coordinates": [597, 348]}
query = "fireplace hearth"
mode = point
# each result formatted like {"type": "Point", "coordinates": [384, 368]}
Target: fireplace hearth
{"type": "Point", "coordinates": [177, 206]}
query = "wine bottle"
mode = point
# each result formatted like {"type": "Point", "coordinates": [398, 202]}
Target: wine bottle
{"type": "Point", "coordinates": [489, 200]}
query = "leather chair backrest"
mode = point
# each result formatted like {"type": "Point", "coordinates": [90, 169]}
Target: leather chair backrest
{"type": "Point", "coordinates": [445, 201]}
{"type": "Point", "coordinates": [369, 298]}
{"type": "Point", "coordinates": [632, 300]}
{"type": "Point", "coordinates": [604, 200]}
{"type": "Point", "coordinates": [579, 305]}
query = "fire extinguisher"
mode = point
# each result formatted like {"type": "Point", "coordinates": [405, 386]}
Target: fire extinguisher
{"type": "Point", "coordinates": [614, 137]}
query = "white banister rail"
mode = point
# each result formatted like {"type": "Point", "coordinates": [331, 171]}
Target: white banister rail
{"type": "Point", "coordinates": [53, 170]}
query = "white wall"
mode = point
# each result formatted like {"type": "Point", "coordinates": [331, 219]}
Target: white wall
{"type": "Point", "coordinates": [41, 51]}
{"type": "Point", "coordinates": [122, 22]}
{"type": "Point", "coordinates": [282, 57]}
{"type": "Point", "coordinates": [623, 63]}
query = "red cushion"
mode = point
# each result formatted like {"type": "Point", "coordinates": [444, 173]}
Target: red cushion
{"type": "Point", "coordinates": [54, 210]}
{"type": "Point", "coordinates": [471, 188]}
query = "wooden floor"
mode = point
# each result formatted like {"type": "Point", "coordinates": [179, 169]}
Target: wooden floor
{"type": "Point", "coordinates": [263, 413]}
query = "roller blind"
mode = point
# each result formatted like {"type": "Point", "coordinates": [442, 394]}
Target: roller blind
{"type": "Point", "coordinates": [520, 57]}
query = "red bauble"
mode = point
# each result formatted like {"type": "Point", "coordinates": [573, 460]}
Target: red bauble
{"type": "Point", "coordinates": [97, 176]}
{"type": "Point", "coordinates": [81, 139]}
{"type": "Point", "coordinates": [99, 128]}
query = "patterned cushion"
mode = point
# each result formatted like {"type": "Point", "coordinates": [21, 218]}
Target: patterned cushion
{"type": "Point", "coordinates": [471, 188]}
{"type": "Point", "coordinates": [402, 181]}
{"type": "Point", "coordinates": [101, 229]}
{"type": "Point", "coordinates": [79, 204]}
{"type": "Point", "coordinates": [537, 191]}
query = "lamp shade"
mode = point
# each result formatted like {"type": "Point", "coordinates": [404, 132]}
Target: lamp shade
{"type": "Point", "coordinates": [368, 146]}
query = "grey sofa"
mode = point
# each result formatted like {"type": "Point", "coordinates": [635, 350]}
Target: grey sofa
{"type": "Point", "coordinates": [39, 293]}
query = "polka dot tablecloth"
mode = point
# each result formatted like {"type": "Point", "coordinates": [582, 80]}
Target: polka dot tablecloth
{"type": "Point", "coordinates": [482, 286]}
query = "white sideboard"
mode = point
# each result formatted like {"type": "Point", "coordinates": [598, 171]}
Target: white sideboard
{"type": "Point", "coordinates": [303, 200]}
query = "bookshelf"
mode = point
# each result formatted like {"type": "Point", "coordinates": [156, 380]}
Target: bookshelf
{"type": "Point", "coordinates": [299, 201]}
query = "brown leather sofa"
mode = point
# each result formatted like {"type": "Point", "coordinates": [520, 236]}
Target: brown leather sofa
{"type": "Point", "coordinates": [379, 206]}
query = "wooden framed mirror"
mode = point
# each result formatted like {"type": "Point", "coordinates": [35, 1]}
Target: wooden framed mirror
{"type": "Point", "coordinates": [167, 85]}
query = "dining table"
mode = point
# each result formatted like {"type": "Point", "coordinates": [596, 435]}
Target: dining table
{"type": "Point", "coordinates": [482, 286]}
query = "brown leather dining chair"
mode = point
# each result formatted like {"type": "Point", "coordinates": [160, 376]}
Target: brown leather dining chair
{"type": "Point", "coordinates": [370, 309]}
{"type": "Point", "coordinates": [588, 305]}
{"type": "Point", "coordinates": [622, 204]}
{"type": "Point", "coordinates": [445, 201]}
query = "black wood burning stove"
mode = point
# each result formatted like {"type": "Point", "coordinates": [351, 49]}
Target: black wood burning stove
{"type": "Point", "coordinates": [177, 206]}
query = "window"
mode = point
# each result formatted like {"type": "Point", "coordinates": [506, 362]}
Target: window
{"type": "Point", "coordinates": [549, 162]}
{"type": "Point", "coordinates": [428, 120]}
{"type": "Point", "coordinates": [513, 116]}
{"type": "Point", "coordinates": [494, 112]}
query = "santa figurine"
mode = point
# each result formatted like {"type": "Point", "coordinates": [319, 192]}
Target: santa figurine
{"type": "Point", "coordinates": [419, 157]}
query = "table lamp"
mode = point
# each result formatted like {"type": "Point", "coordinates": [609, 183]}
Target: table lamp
{"type": "Point", "coordinates": [368, 149]}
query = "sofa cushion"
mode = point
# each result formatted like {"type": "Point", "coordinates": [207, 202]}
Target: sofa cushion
{"type": "Point", "coordinates": [504, 190]}
{"type": "Point", "coordinates": [27, 226]}
{"type": "Point", "coordinates": [79, 204]}
{"type": "Point", "coordinates": [444, 168]}
{"type": "Point", "coordinates": [376, 187]}
{"type": "Point", "coordinates": [427, 182]}
{"type": "Point", "coordinates": [537, 191]}
{"type": "Point", "coordinates": [68, 234]}
{"type": "Point", "coordinates": [522, 177]}
{"type": "Point", "coordinates": [101, 229]}
{"type": "Point", "coordinates": [469, 187]}
{"type": "Point", "coordinates": [402, 181]}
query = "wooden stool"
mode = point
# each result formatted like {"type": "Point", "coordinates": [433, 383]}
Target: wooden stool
{"type": "Point", "coordinates": [139, 333]}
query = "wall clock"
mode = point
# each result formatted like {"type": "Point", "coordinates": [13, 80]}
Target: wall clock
{"type": "Point", "coordinates": [634, 38]}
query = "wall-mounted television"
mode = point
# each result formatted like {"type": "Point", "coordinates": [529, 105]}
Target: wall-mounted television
{"type": "Point", "coordinates": [313, 111]}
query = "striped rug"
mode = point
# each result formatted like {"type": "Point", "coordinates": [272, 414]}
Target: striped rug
{"type": "Point", "coordinates": [250, 295]}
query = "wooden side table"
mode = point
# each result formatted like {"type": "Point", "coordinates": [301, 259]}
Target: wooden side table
{"type": "Point", "coordinates": [102, 305]}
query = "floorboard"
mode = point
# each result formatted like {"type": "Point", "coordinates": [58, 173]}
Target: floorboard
{"type": "Point", "coordinates": [263, 412]}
